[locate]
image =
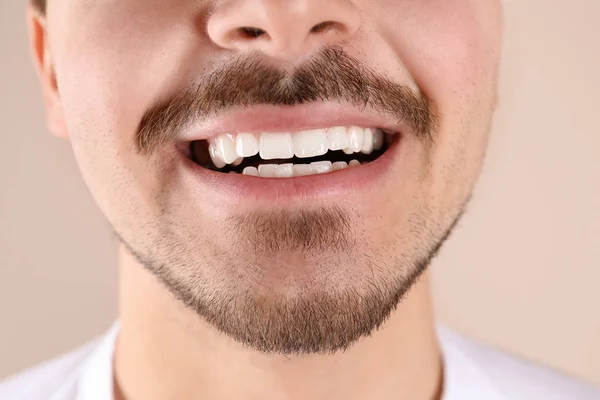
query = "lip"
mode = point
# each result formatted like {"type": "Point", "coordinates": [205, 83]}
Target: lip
{"type": "Point", "coordinates": [239, 188]}
{"type": "Point", "coordinates": [267, 118]}
{"type": "Point", "coordinates": [281, 191]}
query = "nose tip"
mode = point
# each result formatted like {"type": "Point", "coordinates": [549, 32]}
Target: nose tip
{"type": "Point", "coordinates": [283, 29]}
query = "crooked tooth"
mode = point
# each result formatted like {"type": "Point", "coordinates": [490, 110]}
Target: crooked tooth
{"type": "Point", "coordinates": [276, 145]}
{"type": "Point", "coordinates": [226, 148]}
{"type": "Point", "coordinates": [337, 138]}
{"type": "Point", "coordinates": [339, 165]}
{"type": "Point", "coordinates": [303, 169]}
{"type": "Point", "coordinates": [322, 167]}
{"type": "Point", "coordinates": [252, 171]}
{"type": "Point", "coordinates": [284, 171]}
{"type": "Point", "coordinates": [367, 146]}
{"type": "Point", "coordinates": [356, 137]}
{"type": "Point", "coordinates": [378, 139]}
{"type": "Point", "coordinates": [310, 143]}
{"type": "Point", "coordinates": [353, 163]}
{"type": "Point", "coordinates": [246, 145]}
{"type": "Point", "coordinates": [267, 170]}
{"type": "Point", "coordinates": [237, 161]}
{"type": "Point", "coordinates": [215, 156]}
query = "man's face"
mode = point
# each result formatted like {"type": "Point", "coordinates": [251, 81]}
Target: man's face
{"type": "Point", "coordinates": [146, 89]}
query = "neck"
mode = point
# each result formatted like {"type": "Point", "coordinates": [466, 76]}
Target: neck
{"type": "Point", "coordinates": [165, 351]}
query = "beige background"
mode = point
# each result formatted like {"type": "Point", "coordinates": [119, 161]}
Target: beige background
{"type": "Point", "coordinates": [522, 271]}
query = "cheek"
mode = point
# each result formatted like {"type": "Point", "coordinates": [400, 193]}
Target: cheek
{"type": "Point", "coordinates": [115, 59]}
{"type": "Point", "coordinates": [112, 60]}
{"type": "Point", "coordinates": [451, 48]}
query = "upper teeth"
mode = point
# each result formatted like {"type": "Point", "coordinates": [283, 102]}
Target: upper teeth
{"type": "Point", "coordinates": [230, 149]}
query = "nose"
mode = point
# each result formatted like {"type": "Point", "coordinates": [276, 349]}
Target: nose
{"type": "Point", "coordinates": [285, 29]}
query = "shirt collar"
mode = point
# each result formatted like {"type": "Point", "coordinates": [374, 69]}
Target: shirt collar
{"type": "Point", "coordinates": [463, 379]}
{"type": "Point", "coordinates": [96, 379]}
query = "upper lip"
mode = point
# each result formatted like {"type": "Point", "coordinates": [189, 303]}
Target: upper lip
{"type": "Point", "coordinates": [267, 118]}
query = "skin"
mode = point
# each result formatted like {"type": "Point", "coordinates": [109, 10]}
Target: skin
{"type": "Point", "coordinates": [104, 64]}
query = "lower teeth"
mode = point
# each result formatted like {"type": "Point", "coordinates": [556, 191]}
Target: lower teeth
{"type": "Point", "coordinates": [292, 170]}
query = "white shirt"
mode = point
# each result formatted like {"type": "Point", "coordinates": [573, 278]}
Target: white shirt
{"type": "Point", "coordinates": [472, 372]}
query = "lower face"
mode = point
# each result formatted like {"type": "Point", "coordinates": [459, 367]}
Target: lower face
{"type": "Point", "coordinates": [301, 258]}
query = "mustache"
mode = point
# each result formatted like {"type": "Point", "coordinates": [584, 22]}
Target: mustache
{"type": "Point", "coordinates": [330, 75]}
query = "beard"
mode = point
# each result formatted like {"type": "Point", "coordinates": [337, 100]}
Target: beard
{"type": "Point", "coordinates": [296, 280]}
{"type": "Point", "coordinates": [291, 282]}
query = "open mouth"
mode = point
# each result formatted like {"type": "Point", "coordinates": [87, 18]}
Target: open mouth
{"type": "Point", "coordinates": [292, 154]}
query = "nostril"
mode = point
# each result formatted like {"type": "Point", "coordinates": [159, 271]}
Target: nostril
{"type": "Point", "coordinates": [281, 32]}
{"type": "Point", "coordinates": [249, 32]}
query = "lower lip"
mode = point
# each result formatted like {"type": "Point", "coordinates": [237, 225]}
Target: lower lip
{"type": "Point", "coordinates": [344, 182]}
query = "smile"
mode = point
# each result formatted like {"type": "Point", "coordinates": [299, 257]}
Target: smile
{"type": "Point", "coordinates": [291, 154]}
{"type": "Point", "coordinates": [319, 151]}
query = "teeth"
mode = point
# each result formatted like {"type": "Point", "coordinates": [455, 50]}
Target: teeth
{"type": "Point", "coordinates": [303, 170]}
{"type": "Point", "coordinates": [267, 170]}
{"type": "Point", "coordinates": [356, 137]}
{"type": "Point", "coordinates": [237, 161]}
{"type": "Point", "coordinates": [225, 146]}
{"type": "Point", "coordinates": [310, 143]}
{"type": "Point", "coordinates": [290, 170]}
{"type": "Point", "coordinates": [339, 165]}
{"type": "Point", "coordinates": [284, 171]}
{"type": "Point", "coordinates": [276, 145]}
{"type": "Point", "coordinates": [252, 171]}
{"type": "Point", "coordinates": [321, 167]}
{"type": "Point", "coordinates": [246, 145]}
{"type": "Point", "coordinates": [215, 157]}
{"type": "Point", "coordinates": [378, 139]}
{"type": "Point", "coordinates": [337, 138]}
{"type": "Point", "coordinates": [367, 146]}
{"type": "Point", "coordinates": [229, 149]}
{"type": "Point", "coordinates": [354, 163]}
